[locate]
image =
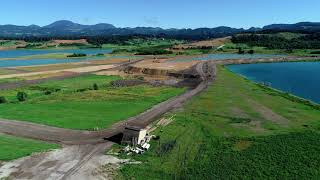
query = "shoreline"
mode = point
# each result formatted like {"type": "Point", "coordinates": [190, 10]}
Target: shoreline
{"type": "Point", "coordinates": [281, 93]}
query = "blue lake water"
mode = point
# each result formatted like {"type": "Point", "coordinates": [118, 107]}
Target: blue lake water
{"type": "Point", "coordinates": [42, 61]}
{"type": "Point", "coordinates": [227, 56]}
{"type": "Point", "coordinates": [30, 52]}
{"type": "Point", "coordinates": [298, 78]}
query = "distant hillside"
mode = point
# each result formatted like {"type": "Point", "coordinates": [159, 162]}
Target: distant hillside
{"type": "Point", "coordinates": [68, 28]}
{"type": "Point", "coordinates": [298, 27]}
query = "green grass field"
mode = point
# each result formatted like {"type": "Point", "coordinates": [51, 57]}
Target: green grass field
{"type": "Point", "coordinates": [73, 105]}
{"type": "Point", "coordinates": [235, 130]}
{"type": "Point", "coordinates": [8, 43]}
{"type": "Point", "coordinates": [13, 147]}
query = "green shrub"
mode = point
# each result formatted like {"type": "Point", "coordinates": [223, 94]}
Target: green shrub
{"type": "Point", "coordinates": [251, 51]}
{"type": "Point", "coordinates": [77, 55]}
{"type": "Point", "coordinates": [3, 100]}
{"type": "Point", "coordinates": [47, 92]}
{"type": "Point", "coordinates": [241, 51]}
{"type": "Point", "coordinates": [22, 96]}
{"type": "Point", "coordinates": [95, 86]}
{"type": "Point", "coordinates": [140, 78]}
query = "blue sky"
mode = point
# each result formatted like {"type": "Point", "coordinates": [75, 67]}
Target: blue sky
{"type": "Point", "coordinates": [160, 13]}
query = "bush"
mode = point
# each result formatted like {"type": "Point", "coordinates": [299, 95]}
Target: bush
{"type": "Point", "coordinates": [140, 78]}
{"type": "Point", "coordinates": [240, 51]}
{"type": "Point", "coordinates": [83, 90]}
{"type": "Point", "coordinates": [251, 51]}
{"type": "Point", "coordinates": [77, 55]}
{"type": "Point", "coordinates": [22, 96]}
{"type": "Point", "coordinates": [95, 86]}
{"type": "Point", "coordinates": [3, 100]}
{"type": "Point", "coordinates": [315, 52]}
{"type": "Point", "coordinates": [47, 92]}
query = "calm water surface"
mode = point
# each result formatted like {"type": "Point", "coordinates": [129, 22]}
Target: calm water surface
{"type": "Point", "coordinates": [30, 52]}
{"type": "Point", "coordinates": [41, 61]}
{"type": "Point", "coordinates": [299, 78]}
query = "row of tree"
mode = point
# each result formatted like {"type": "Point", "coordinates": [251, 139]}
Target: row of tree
{"type": "Point", "coordinates": [311, 41]}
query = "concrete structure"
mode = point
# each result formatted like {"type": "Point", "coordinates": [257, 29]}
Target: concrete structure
{"type": "Point", "coordinates": [134, 135]}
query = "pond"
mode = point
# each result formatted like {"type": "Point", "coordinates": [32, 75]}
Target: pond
{"type": "Point", "coordinates": [29, 52]}
{"type": "Point", "coordinates": [298, 78]}
{"type": "Point", "coordinates": [227, 56]}
{"type": "Point", "coordinates": [44, 61]}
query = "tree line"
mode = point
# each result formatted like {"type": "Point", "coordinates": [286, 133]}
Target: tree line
{"type": "Point", "coordinates": [309, 41]}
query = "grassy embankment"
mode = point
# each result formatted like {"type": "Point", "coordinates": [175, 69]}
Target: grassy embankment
{"type": "Point", "coordinates": [231, 47]}
{"type": "Point", "coordinates": [7, 43]}
{"type": "Point", "coordinates": [234, 48]}
{"type": "Point", "coordinates": [152, 46]}
{"type": "Point", "coordinates": [14, 148]}
{"type": "Point", "coordinates": [71, 104]}
{"type": "Point", "coordinates": [42, 56]}
{"type": "Point", "coordinates": [235, 130]}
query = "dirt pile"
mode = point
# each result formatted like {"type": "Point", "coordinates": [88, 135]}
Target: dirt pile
{"type": "Point", "coordinates": [148, 71]}
{"type": "Point", "coordinates": [127, 82]}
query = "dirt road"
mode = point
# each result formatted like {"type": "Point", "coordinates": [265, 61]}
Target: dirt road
{"type": "Point", "coordinates": [72, 137]}
{"type": "Point", "coordinates": [82, 161]}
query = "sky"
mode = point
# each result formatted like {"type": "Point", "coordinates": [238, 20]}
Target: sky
{"type": "Point", "coordinates": [160, 13]}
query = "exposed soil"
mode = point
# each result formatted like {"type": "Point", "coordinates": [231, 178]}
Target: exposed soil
{"type": "Point", "coordinates": [81, 41]}
{"type": "Point", "coordinates": [199, 44]}
{"type": "Point", "coordinates": [70, 162]}
{"type": "Point", "coordinates": [74, 70]}
{"type": "Point", "coordinates": [36, 80]}
{"type": "Point", "coordinates": [267, 113]}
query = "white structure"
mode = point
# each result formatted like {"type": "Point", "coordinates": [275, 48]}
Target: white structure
{"type": "Point", "coordinates": [134, 135]}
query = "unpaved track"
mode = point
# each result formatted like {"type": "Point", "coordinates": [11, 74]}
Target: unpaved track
{"type": "Point", "coordinates": [81, 161]}
{"type": "Point", "coordinates": [61, 164]}
{"type": "Point", "coordinates": [72, 137]}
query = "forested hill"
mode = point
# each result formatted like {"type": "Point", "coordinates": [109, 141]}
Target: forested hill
{"type": "Point", "coordinates": [67, 28]}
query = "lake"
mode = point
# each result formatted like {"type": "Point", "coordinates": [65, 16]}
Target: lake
{"type": "Point", "coordinates": [42, 61]}
{"type": "Point", "coordinates": [29, 52]}
{"type": "Point", "coordinates": [227, 56]}
{"type": "Point", "coordinates": [298, 78]}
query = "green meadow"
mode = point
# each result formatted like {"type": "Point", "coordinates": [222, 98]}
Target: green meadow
{"type": "Point", "coordinates": [74, 104]}
{"type": "Point", "coordinates": [14, 147]}
{"type": "Point", "coordinates": [235, 130]}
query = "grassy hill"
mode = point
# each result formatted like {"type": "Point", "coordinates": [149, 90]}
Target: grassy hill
{"type": "Point", "coordinates": [235, 130]}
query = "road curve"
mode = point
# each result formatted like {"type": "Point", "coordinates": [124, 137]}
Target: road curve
{"type": "Point", "coordinates": [71, 137]}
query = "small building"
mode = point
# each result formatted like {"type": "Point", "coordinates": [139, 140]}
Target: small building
{"type": "Point", "coordinates": [134, 135]}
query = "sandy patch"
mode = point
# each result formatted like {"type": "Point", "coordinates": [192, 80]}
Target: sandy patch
{"type": "Point", "coordinates": [165, 65]}
{"type": "Point", "coordinates": [75, 70]}
{"type": "Point", "coordinates": [208, 43]}
{"type": "Point", "coordinates": [71, 162]}
{"type": "Point", "coordinates": [267, 113]}
{"type": "Point", "coordinates": [81, 41]}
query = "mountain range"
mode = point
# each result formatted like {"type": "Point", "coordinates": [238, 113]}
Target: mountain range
{"type": "Point", "coordinates": [69, 28]}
